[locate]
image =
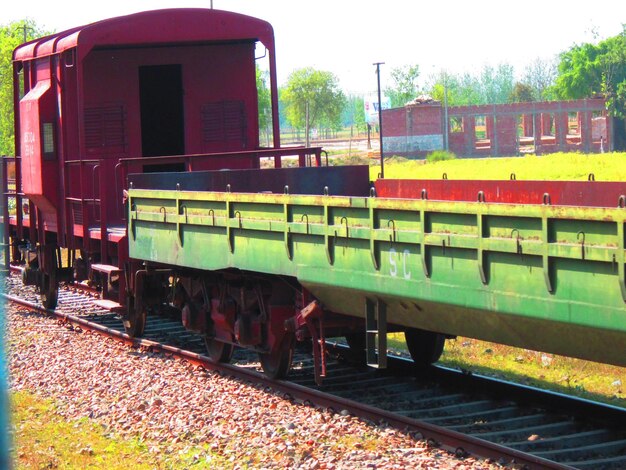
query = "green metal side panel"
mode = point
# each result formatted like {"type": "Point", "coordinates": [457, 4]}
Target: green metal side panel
{"type": "Point", "coordinates": [542, 277]}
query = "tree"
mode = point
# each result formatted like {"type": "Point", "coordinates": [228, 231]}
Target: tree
{"type": "Point", "coordinates": [319, 92]}
{"type": "Point", "coordinates": [11, 36]}
{"type": "Point", "coordinates": [522, 92]}
{"type": "Point", "coordinates": [588, 70]}
{"type": "Point", "coordinates": [464, 91]}
{"type": "Point", "coordinates": [405, 87]}
{"type": "Point", "coordinates": [354, 113]}
{"type": "Point", "coordinates": [461, 90]}
{"type": "Point", "coordinates": [496, 84]}
{"type": "Point", "coordinates": [540, 75]}
{"type": "Point", "coordinates": [491, 86]}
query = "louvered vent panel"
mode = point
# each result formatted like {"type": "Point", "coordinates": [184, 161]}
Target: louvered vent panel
{"type": "Point", "coordinates": [224, 121]}
{"type": "Point", "coordinates": [105, 130]}
{"type": "Point", "coordinates": [77, 213]}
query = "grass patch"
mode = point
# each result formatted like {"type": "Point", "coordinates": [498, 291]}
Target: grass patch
{"type": "Point", "coordinates": [556, 166]}
{"type": "Point", "coordinates": [42, 438]}
{"type": "Point", "coordinates": [584, 379]}
{"type": "Point", "coordinates": [440, 156]}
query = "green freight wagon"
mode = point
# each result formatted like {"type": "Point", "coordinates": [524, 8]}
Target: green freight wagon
{"type": "Point", "coordinates": [538, 276]}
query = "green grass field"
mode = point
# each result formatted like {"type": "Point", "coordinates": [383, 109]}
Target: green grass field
{"type": "Point", "coordinates": [44, 439]}
{"type": "Point", "coordinates": [556, 166]}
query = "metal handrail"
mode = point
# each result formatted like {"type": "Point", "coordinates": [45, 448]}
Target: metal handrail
{"type": "Point", "coordinates": [15, 192]}
{"type": "Point", "coordinates": [277, 154]}
{"type": "Point", "coordinates": [87, 204]}
{"type": "Point", "coordinates": [286, 151]}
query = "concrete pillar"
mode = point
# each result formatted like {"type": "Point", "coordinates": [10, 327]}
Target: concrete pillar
{"type": "Point", "coordinates": [546, 123]}
{"type": "Point", "coordinates": [560, 130]}
{"type": "Point", "coordinates": [537, 132]}
{"type": "Point", "coordinates": [528, 124]}
{"type": "Point", "coordinates": [608, 143]}
{"type": "Point", "coordinates": [584, 120]}
{"type": "Point", "coordinates": [470, 134]}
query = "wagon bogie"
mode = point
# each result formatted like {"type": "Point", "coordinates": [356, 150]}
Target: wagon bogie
{"type": "Point", "coordinates": [234, 309]}
{"type": "Point", "coordinates": [43, 270]}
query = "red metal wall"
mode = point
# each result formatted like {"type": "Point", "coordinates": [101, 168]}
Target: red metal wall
{"type": "Point", "coordinates": [90, 90]}
{"type": "Point", "coordinates": [210, 74]}
{"type": "Point", "coordinates": [38, 123]}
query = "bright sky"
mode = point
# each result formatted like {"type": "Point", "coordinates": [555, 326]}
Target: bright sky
{"type": "Point", "coordinates": [347, 36]}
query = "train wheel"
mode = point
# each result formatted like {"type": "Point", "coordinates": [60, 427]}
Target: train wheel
{"type": "Point", "coordinates": [49, 290]}
{"type": "Point", "coordinates": [218, 351]}
{"type": "Point", "coordinates": [135, 321]}
{"type": "Point", "coordinates": [276, 365]}
{"type": "Point", "coordinates": [425, 346]}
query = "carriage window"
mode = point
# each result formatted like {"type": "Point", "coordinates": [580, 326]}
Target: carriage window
{"type": "Point", "coordinates": [20, 78]}
{"type": "Point", "coordinates": [47, 141]}
{"type": "Point", "coordinates": [68, 58]}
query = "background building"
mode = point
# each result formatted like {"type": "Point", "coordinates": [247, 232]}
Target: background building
{"type": "Point", "coordinates": [498, 130]}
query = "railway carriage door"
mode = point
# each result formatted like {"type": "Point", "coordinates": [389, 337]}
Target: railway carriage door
{"type": "Point", "coordinates": [161, 104]}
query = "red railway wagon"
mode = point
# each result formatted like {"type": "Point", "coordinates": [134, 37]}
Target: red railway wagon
{"type": "Point", "coordinates": [153, 91]}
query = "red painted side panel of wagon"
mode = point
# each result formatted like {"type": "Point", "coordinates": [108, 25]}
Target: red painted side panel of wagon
{"type": "Point", "coordinates": [566, 193]}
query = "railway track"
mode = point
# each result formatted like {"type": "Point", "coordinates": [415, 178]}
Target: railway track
{"type": "Point", "coordinates": [514, 425]}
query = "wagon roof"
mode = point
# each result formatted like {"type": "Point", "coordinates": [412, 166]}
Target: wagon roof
{"type": "Point", "coordinates": [180, 25]}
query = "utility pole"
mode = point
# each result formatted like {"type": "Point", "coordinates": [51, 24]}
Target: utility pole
{"type": "Point", "coordinates": [380, 120]}
{"type": "Point", "coordinates": [446, 144]}
{"type": "Point", "coordinates": [307, 129]}
{"type": "Point", "coordinates": [25, 28]}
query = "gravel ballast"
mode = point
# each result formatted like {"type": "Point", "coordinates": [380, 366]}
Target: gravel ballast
{"type": "Point", "coordinates": [175, 407]}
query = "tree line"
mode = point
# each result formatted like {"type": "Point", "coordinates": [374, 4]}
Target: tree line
{"type": "Point", "coordinates": [313, 99]}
